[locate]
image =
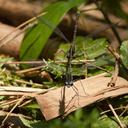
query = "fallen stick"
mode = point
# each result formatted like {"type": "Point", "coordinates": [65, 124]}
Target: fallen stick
{"type": "Point", "coordinates": [64, 100]}
{"type": "Point", "coordinates": [27, 91]}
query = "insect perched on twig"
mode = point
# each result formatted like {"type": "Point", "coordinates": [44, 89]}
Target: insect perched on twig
{"type": "Point", "coordinates": [70, 54]}
{"type": "Point", "coordinates": [68, 74]}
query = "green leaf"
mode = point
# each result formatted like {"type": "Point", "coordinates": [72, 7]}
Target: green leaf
{"type": "Point", "coordinates": [125, 120]}
{"type": "Point", "coordinates": [78, 114]}
{"type": "Point", "coordinates": [32, 106]}
{"type": "Point", "coordinates": [26, 122]}
{"type": "Point", "coordinates": [107, 123]}
{"type": "Point", "coordinates": [90, 48]}
{"type": "Point", "coordinates": [97, 48]}
{"type": "Point", "coordinates": [106, 59]}
{"type": "Point", "coordinates": [5, 59]}
{"type": "Point", "coordinates": [2, 97]}
{"type": "Point", "coordinates": [58, 70]}
{"type": "Point", "coordinates": [36, 37]}
{"type": "Point", "coordinates": [32, 123]}
{"type": "Point", "coordinates": [124, 53]}
{"type": "Point", "coordinates": [86, 48]}
{"type": "Point", "coordinates": [39, 124]}
{"type": "Point", "coordinates": [84, 118]}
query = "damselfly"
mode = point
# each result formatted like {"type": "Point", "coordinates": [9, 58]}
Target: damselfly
{"type": "Point", "coordinates": [68, 74]}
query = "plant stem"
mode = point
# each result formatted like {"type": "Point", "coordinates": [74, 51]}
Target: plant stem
{"type": "Point", "coordinates": [115, 114]}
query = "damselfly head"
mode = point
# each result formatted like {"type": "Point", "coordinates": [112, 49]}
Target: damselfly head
{"type": "Point", "coordinates": [68, 80]}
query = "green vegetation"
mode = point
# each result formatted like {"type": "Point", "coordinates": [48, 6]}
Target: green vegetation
{"type": "Point", "coordinates": [87, 48]}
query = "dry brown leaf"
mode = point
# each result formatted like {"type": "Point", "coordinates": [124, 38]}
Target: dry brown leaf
{"type": "Point", "coordinates": [64, 100]}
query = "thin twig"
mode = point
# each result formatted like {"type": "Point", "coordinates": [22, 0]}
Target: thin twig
{"type": "Point", "coordinates": [98, 67]}
{"type": "Point", "coordinates": [40, 67]}
{"type": "Point", "coordinates": [115, 114]}
{"type": "Point", "coordinates": [3, 113]}
{"type": "Point", "coordinates": [114, 53]}
{"type": "Point", "coordinates": [43, 63]}
{"type": "Point", "coordinates": [117, 64]}
{"type": "Point", "coordinates": [116, 72]}
{"type": "Point", "coordinates": [17, 91]}
{"type": "Point", "coordinates": [122, 107]}
{"type": "Point", "coordinates": [24, 62]}
{"type": "Point", "coordinates": [30, 83]}
{"type": "Point", "coordinates": [115, 75]}
{"type": "Point", "coordinates": [29, 70]}
{"type": "Point", "coordinates": [21, 89]}
{"type": "Point", "coordinates": [126, 109]}
{"type": "Point", "coordinates": [13, 93]}
{"type": "Point", "coordinates": [19, 101]}
{"type": "Point", "coordinates": [8, 103]}
{"type": "Point", "coordinates": [26, 102]}
{"type": "Point", "coordinates": [18, 27]}
{"type": "Point", "coordinates": [117, 56]}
